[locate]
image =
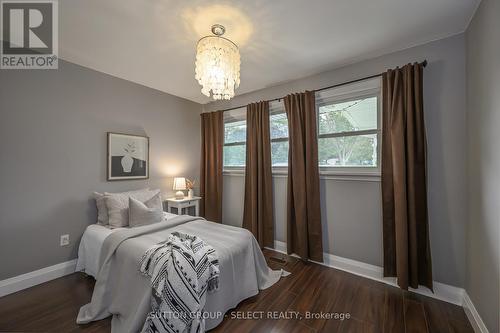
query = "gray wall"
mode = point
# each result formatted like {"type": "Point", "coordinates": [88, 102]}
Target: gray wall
{"type": "Point", "coordinates": [351, 209]}
{"type": "Point", "coordinates": [53, 126]}
{"type": "Point", "coordinates": [483, 120]}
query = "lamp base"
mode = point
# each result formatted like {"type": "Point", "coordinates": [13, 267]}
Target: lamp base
{"type": "Point", "coordinates": [179, 195]}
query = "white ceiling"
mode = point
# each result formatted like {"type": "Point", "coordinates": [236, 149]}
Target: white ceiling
{"type": "Point", "coordinates": [152, 42]}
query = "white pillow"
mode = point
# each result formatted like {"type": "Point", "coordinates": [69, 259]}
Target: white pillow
{"type": "Point", "coordinates": [117, 204]}
{"type": "Point", "coordinates": [141, 214]}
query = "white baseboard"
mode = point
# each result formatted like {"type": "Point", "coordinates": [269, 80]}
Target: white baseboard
{"type": "Point", "coordinates": [24, 281]}
{"type": "Point", "coordinates": [474, 317]}
{"type": "Point", "coordinates": [279, 246]}
{"type": "Point", "coordinates": [442, 291]}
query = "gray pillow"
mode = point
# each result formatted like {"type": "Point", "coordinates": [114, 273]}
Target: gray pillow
{"type": "Point", "coordinates": [141, 214]}
{"type": "Point", "coordinates": [117, 204]}
{"type": "Point", "coordinates": [155, 201]}
{"type": "Point", "coordinates": [102, 210]}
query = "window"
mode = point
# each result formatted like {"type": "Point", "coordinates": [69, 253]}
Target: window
{"type": "Point", "coordinates": [235, 135]}
{"type": "Point", "coordinates": [235, 128]}
{"type": "Point", "coordinates": [278, 126]}
{"type": "Point", "coordinates": [348, 127]}
{"type": "Point", "coordinates": [348, 131]}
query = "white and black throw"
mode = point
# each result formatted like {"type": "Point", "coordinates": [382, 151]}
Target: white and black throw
{"type": "Point", "coordinates": [182, 270]}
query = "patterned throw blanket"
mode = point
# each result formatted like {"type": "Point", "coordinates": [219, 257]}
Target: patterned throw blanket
{"type": "Point", "coordinates": [182, 270]}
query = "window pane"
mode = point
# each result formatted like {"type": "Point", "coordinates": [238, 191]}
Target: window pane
{"type": "Point", "coordinates": [279, 153]}
{"type": "Point", "coordinates": [278, 125]}
{"type": "Point", "coordinates": [354, 115]}
{"type": "Point", "coordinates": [234, 155]}
{"type": "Point", "coordinates": [348, 151]}
{"type": "Point", "coordinates": [235, 131]}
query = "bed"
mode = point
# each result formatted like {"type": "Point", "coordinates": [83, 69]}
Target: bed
{"type": "Point", "coordinates": [113, 256]}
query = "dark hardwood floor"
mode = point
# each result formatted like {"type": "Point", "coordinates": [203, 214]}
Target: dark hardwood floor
{"type": "Point", "coordinates": [372, 306]}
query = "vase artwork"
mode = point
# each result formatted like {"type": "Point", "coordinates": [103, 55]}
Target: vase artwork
{"type": "Point", "coordinates": [128, 156]}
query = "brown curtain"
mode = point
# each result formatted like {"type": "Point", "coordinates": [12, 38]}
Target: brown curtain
{"type": "Point", "coordinates": [304, 236]}
{"type": "Point", "coordinates": [407, 252]}
{"type": "Point", "coordinates": [212, 141]}
{"type": "Point", "coordinates": [258, 209]}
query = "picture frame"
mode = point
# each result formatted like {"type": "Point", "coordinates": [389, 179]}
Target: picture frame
{"type": "Point", "coordinates": [127, 156]}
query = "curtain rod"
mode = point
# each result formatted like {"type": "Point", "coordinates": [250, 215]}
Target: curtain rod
{"type": "Point", "coordinates": [423, 63]}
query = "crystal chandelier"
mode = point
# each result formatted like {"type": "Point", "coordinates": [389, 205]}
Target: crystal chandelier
{"type": "Point", "coordinates": [217, 65]}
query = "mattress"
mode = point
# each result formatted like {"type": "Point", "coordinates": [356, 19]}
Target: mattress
{"type": "Point", "coordinates": [89, 250]}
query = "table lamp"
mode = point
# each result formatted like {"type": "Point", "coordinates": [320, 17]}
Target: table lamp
{"type": "Point", "coordinates": [179, 186]}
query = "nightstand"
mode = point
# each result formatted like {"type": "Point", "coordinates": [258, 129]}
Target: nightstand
{"type": "Point", "coordinates": [184, 203]}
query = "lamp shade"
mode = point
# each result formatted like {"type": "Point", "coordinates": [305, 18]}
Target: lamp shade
{"type": "Point", "coordinates": [179, 183]}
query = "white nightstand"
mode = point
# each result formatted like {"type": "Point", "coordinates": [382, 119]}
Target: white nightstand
{"type": "Point", "coordinates": [181, 204]}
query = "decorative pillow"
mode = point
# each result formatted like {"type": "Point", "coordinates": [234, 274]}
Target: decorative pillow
{"type": "Point", "coordinates": [117, 204]}
{"type": "Point", "coordinates": [141, 214]}
{"type": "Point", "coordinates": [102, 210]}
{"type": "Point", "coordinates": [155, 201]}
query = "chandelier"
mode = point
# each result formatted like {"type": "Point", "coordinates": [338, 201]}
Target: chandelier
{"type": "Point", "coordinates": [217, 65]}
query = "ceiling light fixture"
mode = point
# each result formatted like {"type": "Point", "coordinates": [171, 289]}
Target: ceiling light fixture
{"type": "Point", "coordinates": [217, 65]}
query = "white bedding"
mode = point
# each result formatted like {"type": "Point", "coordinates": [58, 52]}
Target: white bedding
{"type": "Point", "coordinates": [122, 291]}
{"type": "Point", "coordinates": [91, 244]}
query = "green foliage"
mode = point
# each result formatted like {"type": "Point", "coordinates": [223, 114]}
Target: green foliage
{"type": "Point", "coordinates": [235, 132]}
{"type": "Point", "coordinates": [278, 124]}
{"type": "Point", "coordinates": [279, 153]}
{"type": "Point", "coordinates": [235, 155]}
{"type": "Point", "coordinates": [348, 151]}
{"type": "Point", "coordinates": [354, 150]}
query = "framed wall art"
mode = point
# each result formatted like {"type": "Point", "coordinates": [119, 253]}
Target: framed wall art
{"type": "Point", "coordinates": [128, 156]}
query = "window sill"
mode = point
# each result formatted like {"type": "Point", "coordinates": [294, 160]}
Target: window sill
{"type": "Point", "coordinates": [234, 172]}
{"type": "Point", "coordinates": [352, 176]}
{"type": "Point", "coordinates": [367, 176]}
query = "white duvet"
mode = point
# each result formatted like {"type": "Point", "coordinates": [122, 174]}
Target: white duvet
{"type": "Point", "coordinates": [123, 292]}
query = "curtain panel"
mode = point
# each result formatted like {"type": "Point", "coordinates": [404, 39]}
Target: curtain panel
{"type": "Point", "coordinates": [304, 233]}
{"type": "Point", "coordinates": [212, 142]}
{"type": "Point", "coordinates": [258, 204]}
{"type": "Point", "coordinates": [407, 254]}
